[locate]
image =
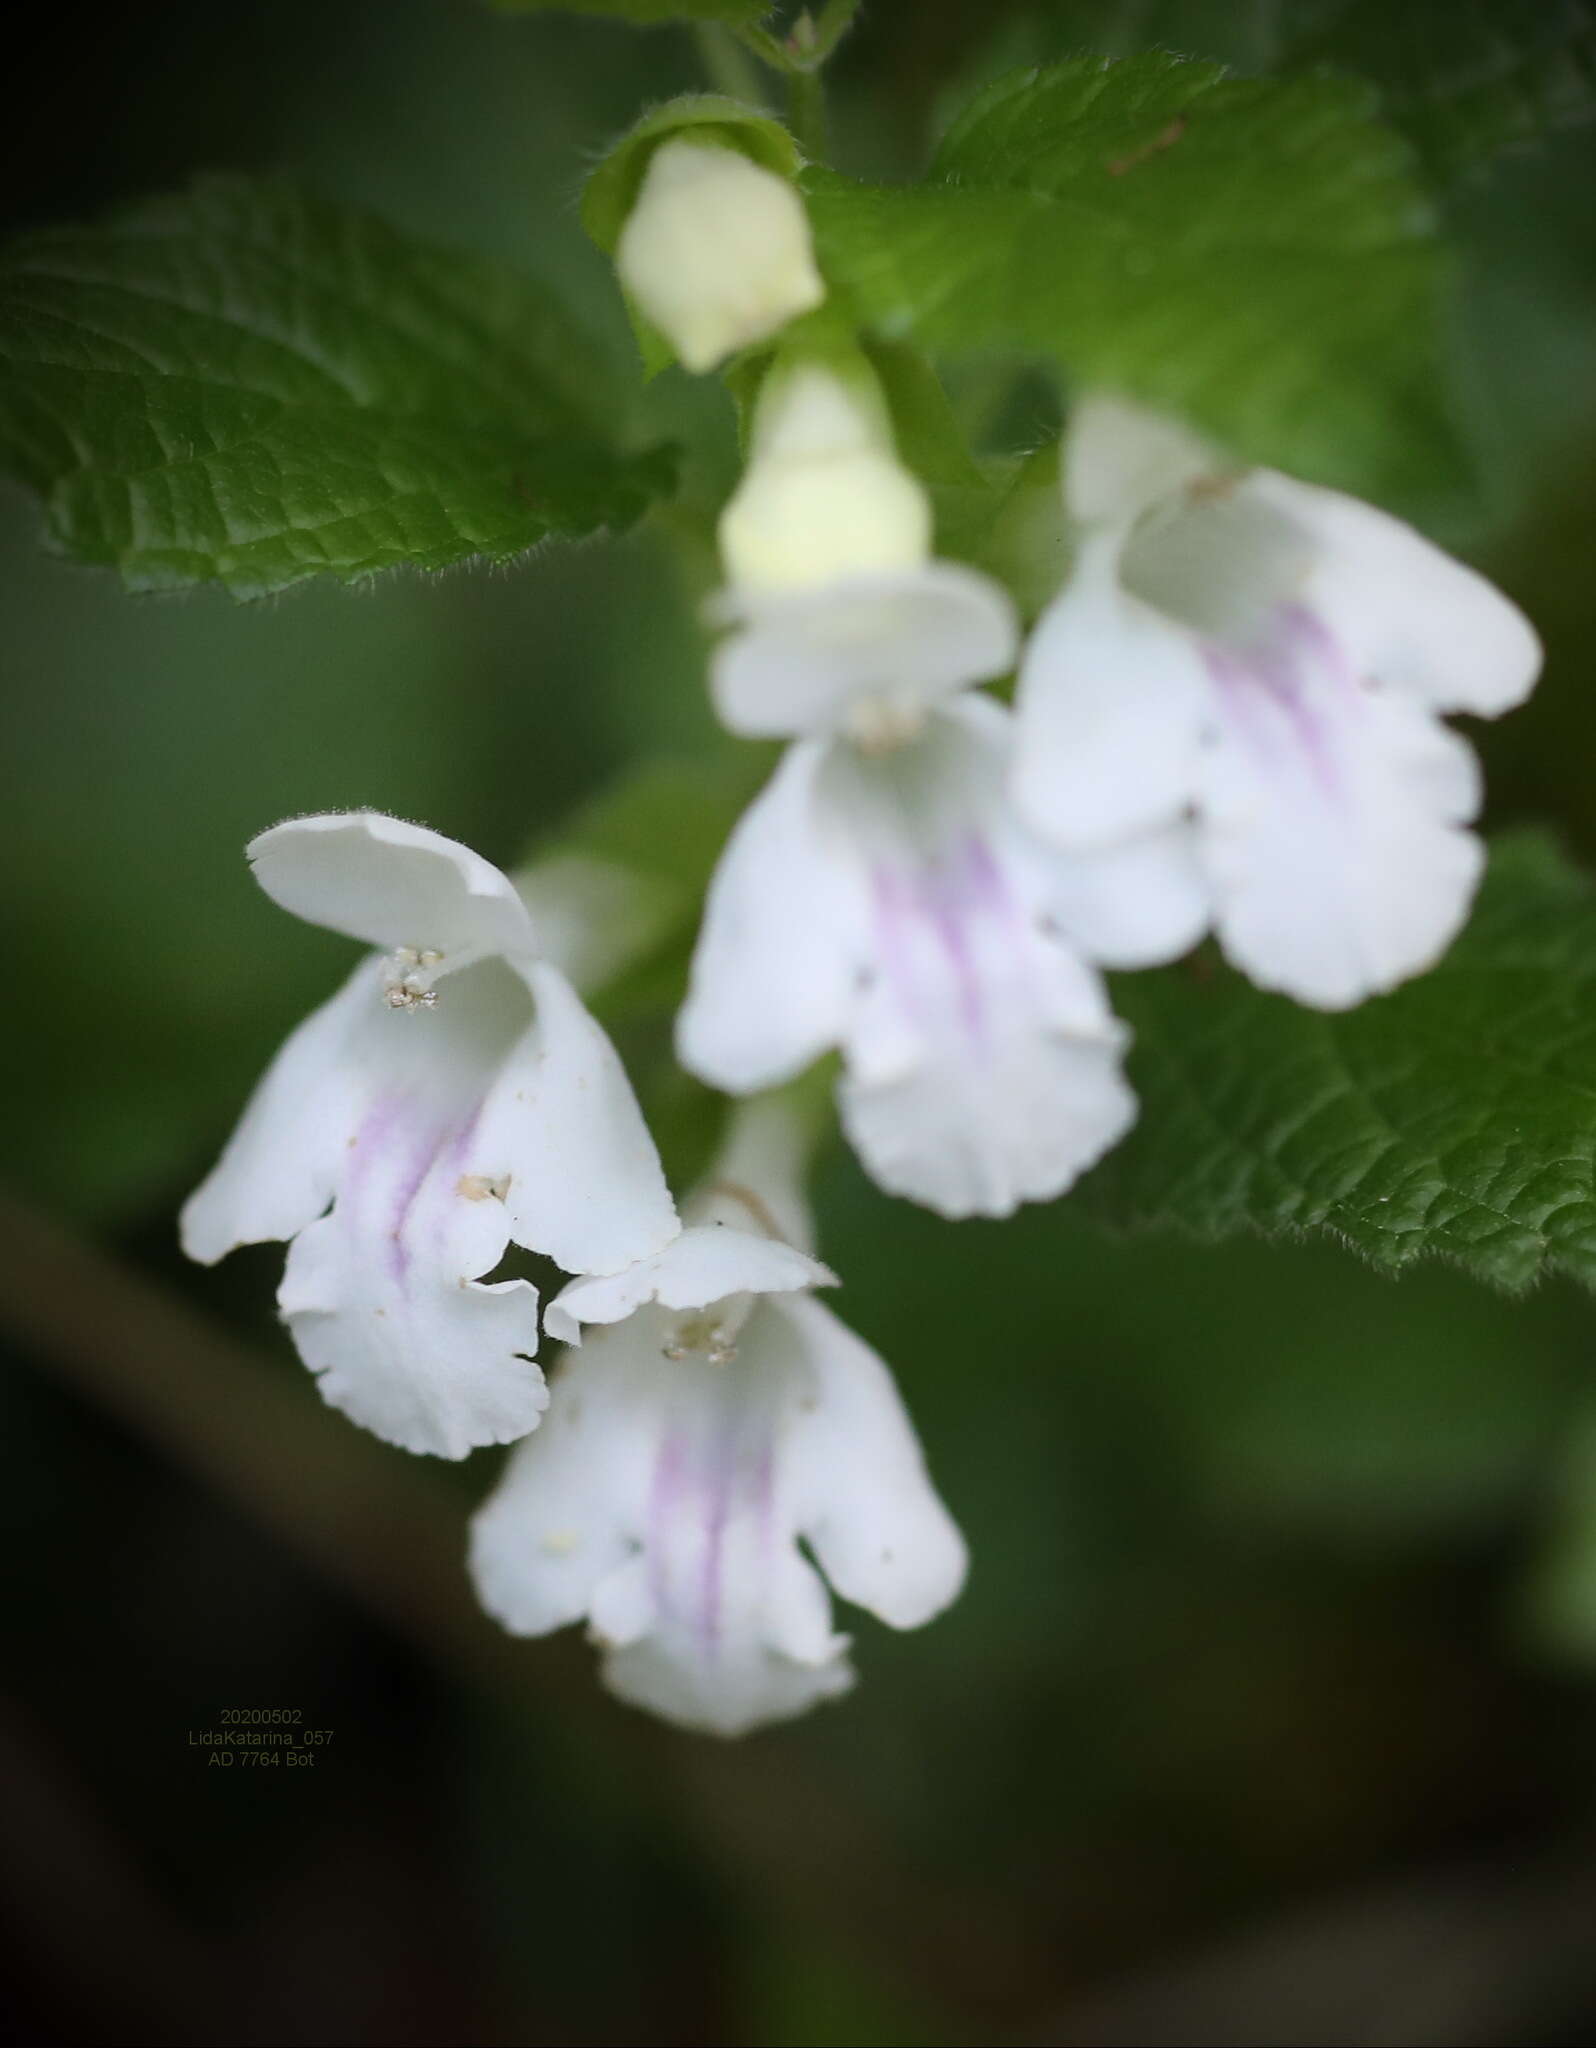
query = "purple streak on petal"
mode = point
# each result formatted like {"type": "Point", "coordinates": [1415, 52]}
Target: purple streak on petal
{"type": "Point", "coordinates": [765, 1500]}
{"type": "Point", "coordinates": [670, 1473]}
{"type": "Point", "coordinates": [725, 1468]}
{"type": "Point", "coordinates": [895, 907]}
{"type": "Point", "coordinates": [376, 1135]}
{"type": "Point", "coordinates": [442, 1147]}
{"type": "Point", "coordinates": [950, 902]}
{"type": "Point", "coordinates": [405, 1196]}
{"type": "Point", "coordinates": [946, 900]}
{"type": "Point", "coordinates": [1276, 675]}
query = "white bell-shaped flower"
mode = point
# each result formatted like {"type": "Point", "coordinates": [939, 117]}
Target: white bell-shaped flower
{"type": "Point", "coordinates": [1272, 659]}
{"type": "Point", "coordinates": [841, 619]}
{"type": "Point", "coordinates": [715, 1417]}
{"type": "Point", "coordinates": [892, 904]}
{"type": "Point", "coordinates": [716, 251]}
{"type": "Point", "coordinates": [453, 1097]}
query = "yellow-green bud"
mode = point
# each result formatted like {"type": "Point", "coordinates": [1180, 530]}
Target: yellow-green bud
{"type": "Point", "coordinates": [824, 497]}
{"type": "Point", "coordinates": [716, 251]}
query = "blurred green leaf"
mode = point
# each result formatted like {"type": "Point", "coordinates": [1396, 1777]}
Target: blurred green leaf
{"type": "Point", "coordinates": [648, 13]}
{"type": "Point", "coordinates": [1455, 1118]}
{"type": "Point", "coordinates": [1249, 253]}
{"type": "Point", "coordinates": [1465, 79]}
{"type": "Point", "coordinates": [1558, 1602]}
{"type": "Point", "coordinates": [930, 440]}
{"type": "Point", "coordinates": [249, 386]}
{"type": "Point", "coordinates": [1245, 36]}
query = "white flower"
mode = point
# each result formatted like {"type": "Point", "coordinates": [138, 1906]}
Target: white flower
{"type": "Point", "coordinates": [841, 618]}
{"type": "Point", "coordinates": [716, 251]}
{"type": "Point", "coordinates": [893, 905]}
{"type": "Point", "coordinates": [716, 1416]}
{"type": "Point", "coordinates": [453, 1097]}
{"type": "Point", "coordinates": [1273, 658]}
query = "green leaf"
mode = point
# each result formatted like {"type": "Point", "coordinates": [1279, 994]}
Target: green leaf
{"type": "Point", "coordinates": [1455, 1118]}
{"type": "Point", "coordinates": [1466, 79]}
{"type": "Point", "coordinates": [1250, 253]}
{"type": "Point", "coordinates": [965, 499]}
{"type": "Point", "coordinates": [245, 385]}
{"type": "Point", "coordinates": [1557, 1606]}
{"type": "Point", "coordinates": [649, 13]}
{"type": "Point", "coordinates": [1463, 79]}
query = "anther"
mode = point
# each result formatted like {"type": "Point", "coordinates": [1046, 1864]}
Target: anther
{"type": "Point", "coordinates": [409, 974]}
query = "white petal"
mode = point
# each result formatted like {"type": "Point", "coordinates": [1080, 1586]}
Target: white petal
{"type": "Point", "coordinates": [1408, 616]}
{"type": "Point", "coordinates": [1134, 904]}
{"type": "Point", "coordinates": [381, 1293]}
{"type": "Point", "coordinates": [978, 1137]}
{"type": "Point", "coordinates": [563, 1132]}
{"type": "Point", "coordinates": [566, 1512]}
{"type": "Point", "coordinates": [281, 1164]}
{"type": "Point", "coordinates": [1120, 459]}
{"type": "Point", "coordinates": [1334, 838]}
{"type": "Point", "coordinates": [391, 884]}
{"type": "Point", "coordinates": [807, 662]}
{"type": "Point", "coordinates": [860, 1488]}
{"type": "Point", "coordinates": [703, 1265]}
{"type": "Point", "coordinates": [982, 1056]}
{"type": "Point", "coordinates": [753, 1686]}
{"type": "Point", "coordinates": [1112, 702]}
{"type": "Point", "coordinates": [775, 968]}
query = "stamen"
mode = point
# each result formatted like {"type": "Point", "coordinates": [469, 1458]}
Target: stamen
{"type": "Point", "coordinates": [883, 723]}
{"type": "Point", "coordinates": [409, 972]}
{"type": "Point", "coordinates": [758, 1208]}
{"type": "Point", "coordinates": [701, 1336]}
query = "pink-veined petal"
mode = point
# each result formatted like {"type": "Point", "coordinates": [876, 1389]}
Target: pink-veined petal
{"type": "Point", "coordinates": [1334, 824]}
{"type": "Point", "coordinates": [1111, 707]}
{"type": "Point", "coordinates": [776, 966]}
{"type": "Point", "coordinates": [1406, 615]}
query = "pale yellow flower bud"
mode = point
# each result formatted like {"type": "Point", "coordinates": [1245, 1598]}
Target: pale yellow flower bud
{"type": "Point", "coordinates": [716, 251]}
{"type": "Point", "coordinates": [824, 497]}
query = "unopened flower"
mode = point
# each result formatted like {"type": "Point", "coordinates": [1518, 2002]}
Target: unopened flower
{"type": "Point", "coordinates": [891, 903]}
{"type": "Point", "coordinates": [1272, 659]}
{"type": "Point", "coordinates": [840, 617]}
{"type": "Point", "coordinates": [453, 1098]}
{"type": "Point", "coordinates": [716, 1416]}
{"type": "Point", "coordinates": [716, 251]}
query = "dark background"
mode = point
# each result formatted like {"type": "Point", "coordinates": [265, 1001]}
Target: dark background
{"type": "Point", "coordinates": [1268, 1713]}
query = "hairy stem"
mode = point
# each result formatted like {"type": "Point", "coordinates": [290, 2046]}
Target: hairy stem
{"type": "Point", "coordinates": [727, 65]}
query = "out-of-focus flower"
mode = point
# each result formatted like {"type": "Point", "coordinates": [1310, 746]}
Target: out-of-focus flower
{"type": "Point", "coordinates": [1272, 659]}
{"type": "Point", "coordinates": [840, 617]}
{"type": "Point", "coordinates": [892, 904]}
